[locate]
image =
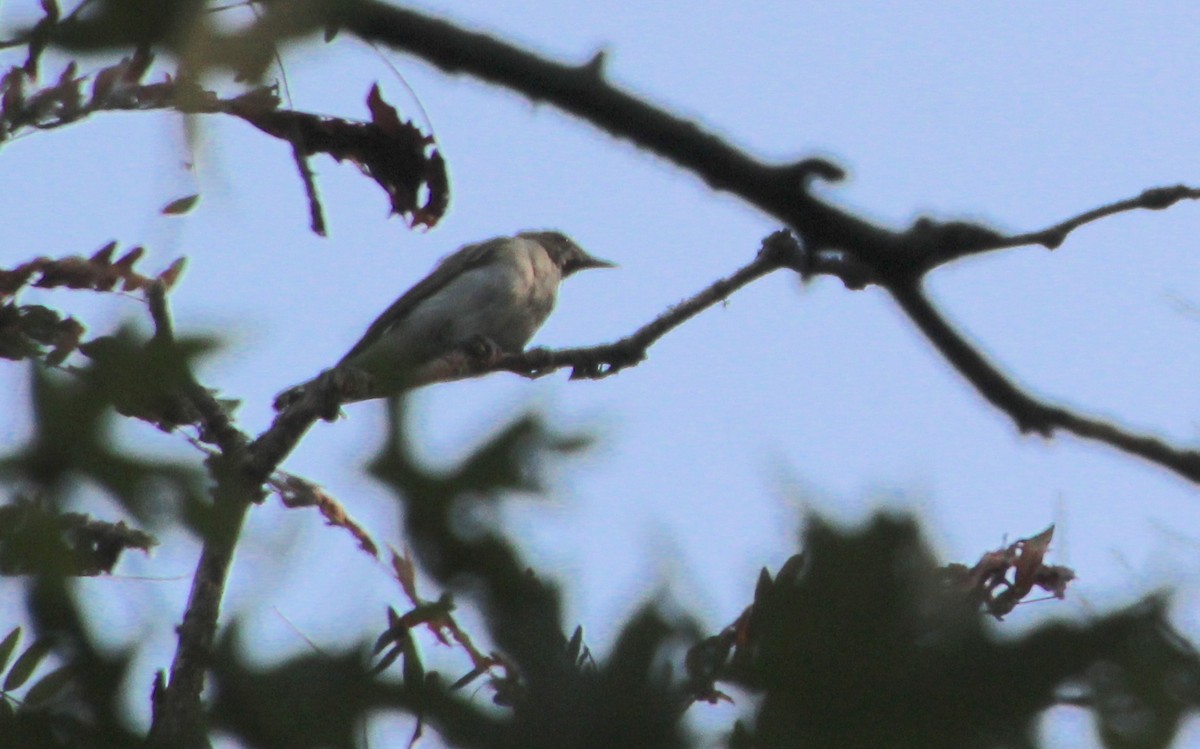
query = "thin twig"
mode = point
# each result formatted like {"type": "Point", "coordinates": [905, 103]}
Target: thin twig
{"type": "Point", "coordinates": [214, 419]}
{"type": "Point", "coordinates": [178, 719]}
{"type": "Point", "coordinates": [316, 214]}
{"type": "Point", "coordinates": [1029, 413]}
{"type": "Point", "coordinates": [779, 250]}
{"type": "Point", "coordinates": [287, 89]}
{"type": "Point", "coordinates": [1153, 199]}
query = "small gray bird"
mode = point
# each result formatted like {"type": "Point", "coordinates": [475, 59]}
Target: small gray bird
{"type": "Point", "coordinates": [496, 294]}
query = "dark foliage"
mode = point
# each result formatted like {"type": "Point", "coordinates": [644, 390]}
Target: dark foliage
{"type": "Point", "coordinates": [35, 539]}
{"type": "Point", "coordinates": [858, 641]}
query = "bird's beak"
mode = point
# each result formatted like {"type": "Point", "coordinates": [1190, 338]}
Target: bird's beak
{"type": "Point", "coordinates": [594, 262]}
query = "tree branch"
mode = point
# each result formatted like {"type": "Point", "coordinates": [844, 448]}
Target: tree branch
{"type": "Point", "coordinates": [894, 260]}
{"type": "Point", "coordinates": [836, 242]}
{"type": "Point", "coordinates": [780, 190]}
{"type": "Point", "coordinates": [1029, 413]}
{"type": "Point", "coordinates": [178, 719]}
{"type": "Point", "coordinates": [290, 424]}
{"type": "Point", "coordinates": [214, 419]}
{"type": "Point", "coordinates": [1153, 199]}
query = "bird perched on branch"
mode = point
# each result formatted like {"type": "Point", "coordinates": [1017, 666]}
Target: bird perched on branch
{"type": "Point", "coordinates": [493, 295]}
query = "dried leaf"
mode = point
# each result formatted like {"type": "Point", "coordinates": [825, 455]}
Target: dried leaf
{"type": "Point", "coordinates": [65, 342]}
{"type": "Point", "coordinates": [138, 65]}
{"type": "Point", "coordinates": [117, 85]}
{"type": "Point", "coordinates": [1025, 559]}
{"type": "Point", "coordinates": [435, 615]}
{"type": "Point", "coordinates": [1031, 553]}
{"type": "Point", "coordinates": [12, 102]}
{"type": "Point", "coordinates": [1053, 578]}
{"type": "Point", "coordinates": [180, 206]}
{"type": "Point", "coordinates": [26, 330]}
{"type": "Point", "coordinates": [12, 280]}
{"type": "Point", "coordinates": [394, 153]}
{"type": "Point", "coordinates": [97, 272]}
{"type": "Point", "coordinates": [294, 491]}
{"type": "Point", "coordinates": [169, 276]}
{"type": "Point", "coordinates": [129, 258]}
{"type": "Point", "coordinates": [382, 114]}
{"type": "Point", "coordinates": [104, 254]}
{"type": "Point", "coordinates": [437, 183]}
{"type": "Point", "coordinates": [70, 543]}
{"type": "Point", "coordinates": [405, 572]}
{"type": "Point", "coordinates": [103, 84]}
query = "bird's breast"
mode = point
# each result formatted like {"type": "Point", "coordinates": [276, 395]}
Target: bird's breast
{"type": "Point", "coordinates": [505, 302]}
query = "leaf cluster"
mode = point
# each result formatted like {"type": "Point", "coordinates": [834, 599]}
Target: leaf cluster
{"type": "Point", "coordinates": [26, 331]}
{"type": "Point", "coordinates": [34, 538]}
{"type": "Point", "coordinates": [857, 642]}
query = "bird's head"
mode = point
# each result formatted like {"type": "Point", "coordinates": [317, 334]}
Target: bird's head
{"type": "Point", "coordinates": [569, 256]}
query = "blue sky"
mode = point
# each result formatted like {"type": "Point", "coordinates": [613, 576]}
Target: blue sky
{"type": "Point", "coordinates": [787, 399]}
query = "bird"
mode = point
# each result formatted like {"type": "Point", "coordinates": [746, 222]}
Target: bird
{"type": "Point", "coordinates": [493, 294]}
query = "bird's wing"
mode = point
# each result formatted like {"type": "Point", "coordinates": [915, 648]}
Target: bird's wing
{"type": "Point", "coordinates": [460, 261]}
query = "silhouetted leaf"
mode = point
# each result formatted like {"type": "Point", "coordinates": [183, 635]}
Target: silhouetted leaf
{"type": "Point", "coordinates": [37, 539]}
{"type": "Point", "coordinates": [26, 664]}
{"type": "Point", "coordinates": [396, 632]}
{"type": "Point", "coordinates": [388, 659]}
{"type": "Point", "coordinates": [8, 646]}
{"type": "Point", "coordinates": [512, 458]}
{"type": "Point", "coordinates": [467, 678]}
{"type": "Point", "coordinates": [414, 671]}
{"type": "Point", "coordinates": [861, 626]}
{"type": "Point", "coordinates": [71, 438]}
{"type": "Point", "coordinates": [145, 378]}
{"type": "Point", "coordinates": [180, 206]}
{"type": "Point", "coordinates": [48, 687]}
{"type": "Point", "coordinates": [27, 330]}
{"type": "Point", "coordinates": [575, 644]}
{"type": "Point", "coordinates": [312, 701]}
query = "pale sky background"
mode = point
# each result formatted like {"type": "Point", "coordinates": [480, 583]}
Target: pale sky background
{"type": "Point", "coordinates": [787, 399]}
